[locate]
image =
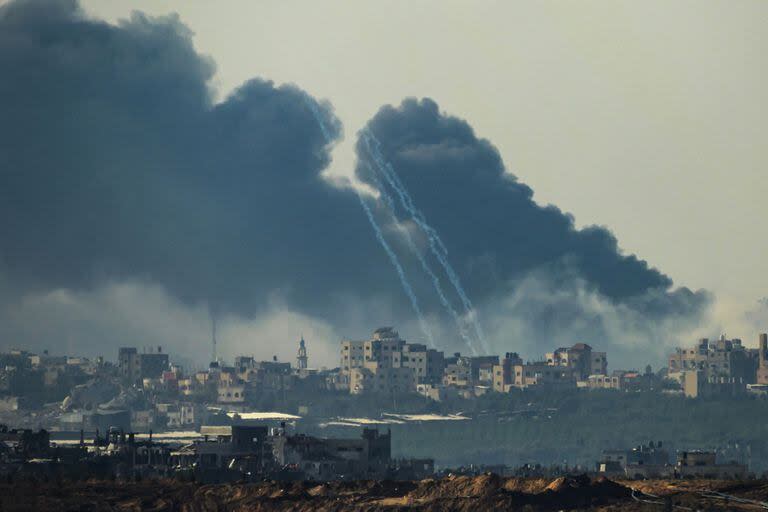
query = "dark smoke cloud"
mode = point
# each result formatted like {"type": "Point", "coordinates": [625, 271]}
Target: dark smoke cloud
{"type": "Point", "coordinates": [115, 163]}
{"type": "Point", "coordinates": [501, 241]}
{"type": "Point", "coordinates": [116, 166]}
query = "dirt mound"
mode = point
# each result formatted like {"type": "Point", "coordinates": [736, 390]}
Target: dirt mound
{"type": "Point", "coordinates": [581, 491]}
{"type": "Point", "coordinates": [526, 485]}
{"type": "Point", "coordinates": [565, 483]}
{"type": "Point", "coordinates": [458, 487]}
{"type": "Point", "coordinates": [455, 493]}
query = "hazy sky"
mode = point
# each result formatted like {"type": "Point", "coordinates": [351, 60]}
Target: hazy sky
{"type": "Point", "coordinates": [647, 117]}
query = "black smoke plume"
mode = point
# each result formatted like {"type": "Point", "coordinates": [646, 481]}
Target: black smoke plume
{"type": "Point", "coordinates": [117, 165]}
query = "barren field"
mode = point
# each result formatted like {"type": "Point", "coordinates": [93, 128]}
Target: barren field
{"type": "Point", "coordinates": [486, 492]}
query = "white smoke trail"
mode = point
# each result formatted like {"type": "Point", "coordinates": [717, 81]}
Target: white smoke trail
{"type": "Point", "coordinates": [400, 272]}
{"type": "Point", "coordinates": [424, 264]}
{"type": "Point", "coordinates": [382, 241]}
{"type": "Point", "coordinates": [436, 245]}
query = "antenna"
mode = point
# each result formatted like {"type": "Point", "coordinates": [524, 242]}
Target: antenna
{"type": "Point", "coordinates": [213, 335]}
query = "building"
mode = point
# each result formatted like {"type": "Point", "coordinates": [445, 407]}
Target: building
{"type": "Point", "coordinates": [722, 359]}
{"type": "Point", "coordinates": [153, 364]}
{"type": "Point", "coordinates": [696, 383]}
{"type": "Point", "coordinates": [352, 355]}
{"type": "Point", "coordinates": [268, 376]}
{"type": "Point", "coordinates": [465, 371]}
{"type": "Point", "coordinates": [134, 367]}
{"type": "Point", "coordinates": [231, 393]}
{"type": "Point", "coordinates": [703, 464]}
{"type": "Point", "coordinates": [301, 357]}
{"type": "Point", "coordinates": [643, 461]}
{"type": "Point", "coordinates": [542, 374]}
{"type": "Point", "coordinates": [255, 452]}
{"type": "Point", "coordinates": [226, 453]}
{"type": "Point", "coordinates": [504, 373]}
{"type": "Point", "coordinates": [601, 381]}
{"type": "Point", "coordinates": [427, 364]}
{"type": "Point", "coordinates": [177, 415]}
{"type": "Point", "coordinates": [187, 386]}
{"type": "Point", "coordinates": [332, 459]}
{"type": "Point", "coordinates": [512, 373]}
{"type": "Point", "coordinates": [387, 364]}
{"type": "Point", "coordinates": [128, 363]}
{"type": "Point", "coordinates": [580, 358]}
{"type": "Point", "coordinates": [380, 378]}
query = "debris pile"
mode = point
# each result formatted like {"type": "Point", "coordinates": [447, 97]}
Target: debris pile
{"type": "Point", "coordinates": [459, 493]}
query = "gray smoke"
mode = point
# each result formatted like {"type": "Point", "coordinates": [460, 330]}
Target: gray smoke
{"type": "Point", "coordinates": [537, 279]}
{"type": "Point", "coordinates": [118, 169]}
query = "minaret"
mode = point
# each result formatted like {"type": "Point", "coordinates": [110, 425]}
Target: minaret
{"type": "Point", "coordinates": [301, 358]}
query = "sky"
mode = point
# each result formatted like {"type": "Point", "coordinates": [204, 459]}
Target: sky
{"type": "Point", "coordinates": [647, 119]}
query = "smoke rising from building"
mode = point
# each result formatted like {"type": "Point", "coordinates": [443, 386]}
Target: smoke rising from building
{"type": "Point", "coordinates": [117, 166]}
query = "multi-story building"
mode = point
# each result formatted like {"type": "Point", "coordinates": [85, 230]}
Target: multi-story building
{"type": "Point", "coordinates": [543, 374]}
{"type": "Point", "coordinates": [128, 363]}
{"type": "Point", "coordinates": [427, 364]}
{"type": "Point", "coordinates": [457, 372]}
{"type": "Point", "coordinates": [581, 358]}
{"type": "Point", "coordinates": [504, 373]}
{"type": "Point", "coordinates": [723, 361]}
{"type": "Point", "coordinates": [696, 383]}
{"type": "Point", "coordinates": [703, 464]}
{"type": "Point", "coordinates": [723, 358]}
{"type": "Point", "coordinates": [352, 356]}
{"type": "Point", "coordinates": [326, 459]}
{"type": "Point", "coordinates": [134, 367]}
{"type": "Point", "coordinates": [153, 364]}
{"type": "Point", "coordinates": [512, 373]}
{"type": "Point", "coordinates": [231, 393]}
{"type": "Point", "coordinates": [264, 375]}
{"type": "Point", "coordinates": [375, 377]}
{"type": "Point", "coordinates": [386, 363]}
{"type": "Point", "coordinates": [187, 386]}
{"type": "Point", "coordinates": [465, 371]}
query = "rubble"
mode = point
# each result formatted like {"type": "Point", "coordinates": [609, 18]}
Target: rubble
{"type": "Point", "coordinates": [453, 493]}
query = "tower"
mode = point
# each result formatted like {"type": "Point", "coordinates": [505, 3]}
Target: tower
{"type": "Point", "coordinates": [762, 362]}
{"type": "Point", "coordinates": [214, 354]}
{"type": "Point", "coordinates": [301, 358]}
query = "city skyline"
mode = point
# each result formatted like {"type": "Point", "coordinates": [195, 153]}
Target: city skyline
{"type": "Point", "coordinates": [367, 255]}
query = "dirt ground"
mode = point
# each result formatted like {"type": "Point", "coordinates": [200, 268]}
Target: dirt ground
{"type": "Point", "coordinates": [460, 493]}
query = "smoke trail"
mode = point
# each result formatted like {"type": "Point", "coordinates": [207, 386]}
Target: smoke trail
{"type": "Point", "coordinates": [424, 265]}
{"type": "Point", "coordinates": [436, 245]}
{"type": "Point", "coordinates": [382, 241]}
{"type": "Point", "coordinates": [400, 272]}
